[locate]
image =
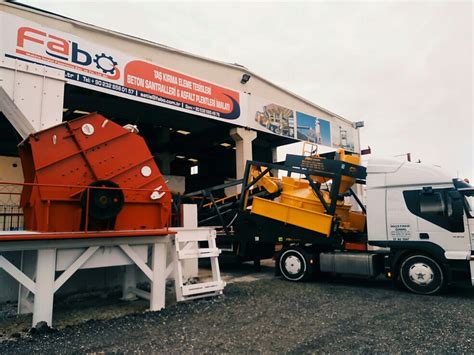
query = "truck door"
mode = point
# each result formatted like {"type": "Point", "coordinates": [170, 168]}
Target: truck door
{"type": "Point", "coordinates": [402, 225]}
{"type": "Point", "coordinates": [441, 219]}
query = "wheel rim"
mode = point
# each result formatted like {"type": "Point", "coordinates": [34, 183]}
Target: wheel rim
{"type": "Point", "coordinates": [421, 274]}
{"type": "Point", "coordinates": [293, 265]}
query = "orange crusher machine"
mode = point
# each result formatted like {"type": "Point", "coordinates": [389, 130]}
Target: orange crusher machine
{"type": "Point", "coordinates": [91, 174]}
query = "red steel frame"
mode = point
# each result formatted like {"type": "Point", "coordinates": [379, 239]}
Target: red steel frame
{"type": "Point", "coordinates": [61, 163]}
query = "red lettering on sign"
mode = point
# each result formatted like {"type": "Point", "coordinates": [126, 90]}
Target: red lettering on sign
{"type": "Point", "coordinates": [24, 33]}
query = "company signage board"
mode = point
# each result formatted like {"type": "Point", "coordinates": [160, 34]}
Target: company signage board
{"type": "Point", "coordinates": [99, 68]}
{"type": "Point", "coordinates": [96, 67]}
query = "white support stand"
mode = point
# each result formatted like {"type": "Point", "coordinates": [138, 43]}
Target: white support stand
{"type": "Point", "coordinates": [129, 282]}
{"type": "Point", "coordinates": [44, 286]}
{"type": "Point", "coordinates": [185, 240]}
{"type": "Point", "coordinates": [71, 255]}
{"type": "Point", "coordinates": [28, 266]}
{"type": "Point", "coordinates": [190, 220]}
{"type": "Point", "coordinates": [158, 279]}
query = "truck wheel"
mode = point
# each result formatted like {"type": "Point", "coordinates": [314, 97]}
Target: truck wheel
{"type": "Point", "coordinates": [422, 274]}
{"type": "Point", "coordinates": [293, 264]}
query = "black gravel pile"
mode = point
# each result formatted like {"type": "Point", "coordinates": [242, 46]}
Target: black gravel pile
{"type": "Point", "coordinates": [278, 316]}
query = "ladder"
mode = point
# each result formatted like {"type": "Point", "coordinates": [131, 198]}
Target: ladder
{"type": "Point", "coordinates": [186, 246]}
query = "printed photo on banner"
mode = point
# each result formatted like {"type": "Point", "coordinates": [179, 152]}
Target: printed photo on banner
{"type": "Point", "coordinates": [343, 137]}
{"type": "Point", "coordinates": [313, 129]}
{"type": "Point", "coordinates": [278, 119]}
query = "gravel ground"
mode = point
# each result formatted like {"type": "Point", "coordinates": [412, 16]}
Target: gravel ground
{"type": "Point", "coordinates": [272, 315]}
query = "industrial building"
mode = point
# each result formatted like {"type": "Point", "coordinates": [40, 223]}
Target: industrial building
{"type": "Point", "coordinates": [129, 169]}
{"type": "Point", "coordinates": [193, 111]}
{"type": "Point", "coordinates": [202, 119]}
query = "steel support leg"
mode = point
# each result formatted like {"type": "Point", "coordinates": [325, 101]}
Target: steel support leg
{"type": "Point", "coordinates": [44, 293]}
{"type": "Point", "coordinates": [158, 282]}
{"type": "Point", "coordinates": [28, 266]}
{"type": "Point", "coordinates": [129, 281]}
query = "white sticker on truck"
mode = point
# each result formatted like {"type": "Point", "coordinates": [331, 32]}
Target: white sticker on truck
{"type": "Point", "coordinates": [400, 231]}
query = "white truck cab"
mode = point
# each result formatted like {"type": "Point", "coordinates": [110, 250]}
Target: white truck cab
{"type": "Point", "coordinates": [425, 220]}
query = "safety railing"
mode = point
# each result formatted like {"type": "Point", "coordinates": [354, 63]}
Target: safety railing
{"type": "Point", "coordinates": [12, 215]}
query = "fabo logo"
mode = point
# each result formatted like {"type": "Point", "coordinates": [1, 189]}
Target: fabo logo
{"type": "Point", "coordinates": [68, 51]}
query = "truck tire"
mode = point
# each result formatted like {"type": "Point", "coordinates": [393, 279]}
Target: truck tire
{"type": "Point", "coordinates": [422, 274]}
{"type": "Point", "coordinates": [294, 264]}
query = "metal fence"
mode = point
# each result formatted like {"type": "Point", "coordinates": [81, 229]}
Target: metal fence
{"type": "Point", "coordinates": [11, 214]}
